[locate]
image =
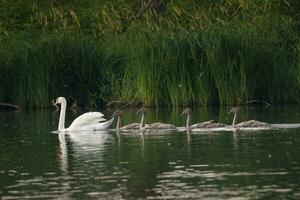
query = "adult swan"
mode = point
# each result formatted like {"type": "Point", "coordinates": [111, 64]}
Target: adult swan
{"type": "Point", "coordinates": [89, 121]}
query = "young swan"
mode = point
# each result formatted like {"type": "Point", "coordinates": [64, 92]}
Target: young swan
{"type": "Point", "coordinates": [129, 127]}
{"type": "Point", "coordinates": [156, 125]}
{"type": "Point", "coordinates": [89, 121]}
{"type": "Point", "coordinates": [246, 124]}
{"type": "Point", "coordinates": [204, 125]}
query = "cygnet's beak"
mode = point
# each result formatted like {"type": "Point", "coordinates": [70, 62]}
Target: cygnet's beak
{"type": "Point", "coordinates": [113, 115]}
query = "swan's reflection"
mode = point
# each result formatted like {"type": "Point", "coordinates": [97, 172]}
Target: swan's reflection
{"type": "Point", "coordinates": [89, 138]}
{"type": "Point", "coordinates": [188, 134]}
{"type": "Point", "coordinates": [63, 152]}
{"type": "Point", "coordinates": [138, 133]}
{"type": "Point", "coordinates": [84, 146]}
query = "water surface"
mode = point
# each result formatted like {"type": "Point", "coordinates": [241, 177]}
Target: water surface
{"type": "Point", "coordinates": [38, 164]}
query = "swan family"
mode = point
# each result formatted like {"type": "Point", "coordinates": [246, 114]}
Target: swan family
{"type": "Point", "coordinates": [92, 121]}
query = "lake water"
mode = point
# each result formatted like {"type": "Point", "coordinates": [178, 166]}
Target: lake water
{"type": "Point", "coordinates": [36, 163]}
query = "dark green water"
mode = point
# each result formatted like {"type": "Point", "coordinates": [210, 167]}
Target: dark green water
{"type": "Point", "coordinates": [38, 164]}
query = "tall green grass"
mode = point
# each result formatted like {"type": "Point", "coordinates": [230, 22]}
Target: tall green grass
{"type": "Point", "coordinates": [36, 71]}
{"type": "Point", "coordinates": [215, 66]}
{"type": "Point", "coordinates": [170, 54]}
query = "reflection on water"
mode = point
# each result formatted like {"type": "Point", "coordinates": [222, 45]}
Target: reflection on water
{"type": "Point", "coordinates": [63, 152]}
{"type": "Point", "coordinates": [36, 163]}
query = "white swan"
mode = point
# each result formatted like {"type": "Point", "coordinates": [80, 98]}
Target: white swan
{"type": "Point", "coordinates": [204, 125]}
{"type": "Point", "coordinates": [246, 124]}
{"type": "Point", "coordinates": [86, 122]}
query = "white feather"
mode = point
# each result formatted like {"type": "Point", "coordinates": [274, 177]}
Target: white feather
{"type": "Point", "coordinates": [87, 119]}
{"type": "Point", "coordinates": [96, 126]}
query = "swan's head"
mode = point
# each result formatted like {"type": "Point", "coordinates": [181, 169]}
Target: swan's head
{"type": "Point", "coordinates": [186, 111]}
{"type": "Point", "coordinates": [117, 113]}
{"type": "Point", "coordinates": [141, 110]}
{"type": "Point", "coordinates": [60, 100]}
{"type": "Point", "coordinates": [234, 110]}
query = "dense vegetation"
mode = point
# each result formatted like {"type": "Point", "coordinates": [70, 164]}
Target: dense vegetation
{"type": "Point", "coordinates": [159, 52]}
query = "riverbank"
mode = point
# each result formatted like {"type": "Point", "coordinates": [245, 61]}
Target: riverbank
{"type": "Point", "coordinates": [169, 54]}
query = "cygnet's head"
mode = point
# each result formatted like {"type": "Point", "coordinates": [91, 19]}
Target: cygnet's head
{"type": "Point", "coordinates": [234, 110]}
{"type": "Point", "coordinates": [117, 113]}
{"type": "Point", "coordinates": [186, 111]}
{"type": "Point", "coordinates": [141, 110]}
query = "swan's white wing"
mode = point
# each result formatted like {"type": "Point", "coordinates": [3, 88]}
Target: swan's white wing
{"type": "Point", "coordinates": [98, 126]}
{"type": "Point", "coordinates": [86, 119]}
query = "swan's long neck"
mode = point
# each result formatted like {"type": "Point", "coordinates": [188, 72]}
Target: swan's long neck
{"type": "Point", "coordinates": [235, 118]}
{"type": "Point", "coordinates": [62, 116]}
{"type": "Point", "coordinates": [118, 122]}
{"type": "Point", "coordinates": [142, 121]}
{"type": "Point", "coordinates": [189, 120]}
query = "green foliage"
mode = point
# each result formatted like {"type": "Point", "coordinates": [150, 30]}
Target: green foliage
{"type": "Point", "coordinates": [57, 65]}
{"type": "Point", "coordinates": [215, 66]}
{"type": "Point", "coordinates": [173, 53]}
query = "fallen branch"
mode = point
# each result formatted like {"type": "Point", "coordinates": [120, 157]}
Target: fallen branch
{"type": "Point", "coordinates": [8, 106]}
{"type": "Point", "coordinates": [257, 101]}
{"type": "Point", "coordinates": [124, 104]}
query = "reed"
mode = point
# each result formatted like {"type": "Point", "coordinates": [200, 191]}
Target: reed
{"type": "Point", "coordinates": [216, 66]}
{"type": "Point", "coordinates": [168, 54]}
{"type": "Point", "coordinates": [39, 70]}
